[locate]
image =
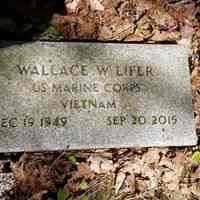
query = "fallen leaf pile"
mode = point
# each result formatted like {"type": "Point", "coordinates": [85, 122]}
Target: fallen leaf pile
{"type": "Point", "coordinates": [127, 20]}
{"type": "Point", "coordinates": [120, 174]}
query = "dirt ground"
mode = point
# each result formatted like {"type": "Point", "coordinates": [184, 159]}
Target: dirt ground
{"type": "Point", "coordinates": [110, 174]}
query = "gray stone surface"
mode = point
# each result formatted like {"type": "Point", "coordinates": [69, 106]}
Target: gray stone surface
{"type": "Point", "coordinates": [55, 96]}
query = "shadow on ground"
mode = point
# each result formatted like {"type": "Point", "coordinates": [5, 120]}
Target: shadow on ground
{"type": "Point", "coordinates": [25, 19]}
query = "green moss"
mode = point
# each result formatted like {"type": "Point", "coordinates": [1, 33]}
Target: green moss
{"type": "Point", "coordinates": [62, 194]}
{"type": "Point", "coordinates": [139, 29]}
{"type": "Point", "coordinates": [51, 33]}
{"type": "Point", "coordinates": [83, 184]}
{"type": "Point", "coordinates": [196, 156]}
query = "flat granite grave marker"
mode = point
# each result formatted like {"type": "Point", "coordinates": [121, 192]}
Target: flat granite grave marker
{"type": "Point", "coordinates": [57, 96]}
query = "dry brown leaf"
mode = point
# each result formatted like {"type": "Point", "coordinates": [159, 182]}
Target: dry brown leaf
{"type": "Point", "coordinates": [116, 29]}
{"type": "Point", "coordinates": [77, 5]}
{"type": "Point", "coordinates": [83, 171]}
{"type": "Point", "coordinates": [133, 167]}
{"type": "Point", "coordinates": [119, 181]}
{"type": "Point", "coordinates": [141, 185]}
{"type": "Point", "coordinates": [72, 185]}
{"type": "Point", "coordinates": [171, 180]}
{"type": "Point", "coordinates": [144, 5]}
{"type": "Point", "coordinates": [126, 9]}
{"type": "Point", "coordinates": [187, 31]}
{"type": "Point", "coordinates": [179, 159]}
{"type": "Point", "coordinates": [100, 164]}
{"type": "Point", "coordinates": [195, 77]}
{"type": "Point", "coordinates": [86, 28]}
{"type": "Point", "coordinates": [71, 6]}
{"type": "Point", "coordinates": [162, 19]}
{"type": "Point", "coordinates": [134, 38]}
{"type": "Point", "coordinates": [96, 5]}
{"type": "Point", "coordinates": [152, 156]}
{"type": "Point", "coordinates": [195, 189]}
{"type": "Point", "coordinates": [166, 163]}
{"type": "Point", "coordinates": [163, 36]}
{"type": "Point", "coordinates": [131, 182]}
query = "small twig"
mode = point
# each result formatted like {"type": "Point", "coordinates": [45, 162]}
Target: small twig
{"type": "Point", "coordinates": [54, 162]}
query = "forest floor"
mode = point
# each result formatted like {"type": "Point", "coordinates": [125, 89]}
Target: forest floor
{"type": "Point", "coordinates": [109, 174]}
